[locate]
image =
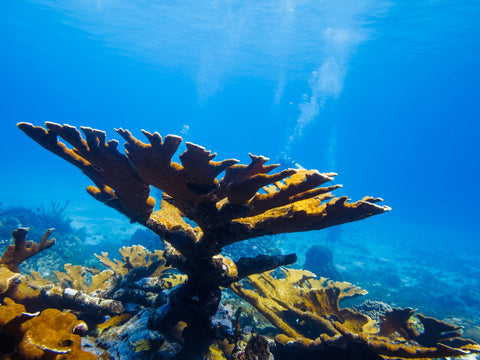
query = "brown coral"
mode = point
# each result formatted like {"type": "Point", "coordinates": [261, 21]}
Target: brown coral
{"type": "Point", "coordinates": [302, 298]}
{"type": "Point", "coordinates": [113, 321]}
{"type": "Point", "coordinates": [10, 311]}
{"type": "Point", "coordinates": [246, 202]}
{"type": "Point", "coordinates": [74, 277]}
{"type": "Point", "coordinates": [92, 293]}
{"type": "Point", "coordinates": [307, 313]}
{"type": "Point", "coordinates": [71, 291]}
{"type": "Point", "coordinates": [138, 259]}
{"type": "Point", "coordinates": [7, 279]}
{"type": "Point", "coordinates": [229, 210]}
{"type": "Point", "coordinates": [52, 332]}
{"type": "Point", "coordinates": [22, 249]}
{"type": "Point", "coordinates": [11, 283]}
{"type": "Point", "coordinates": [132, 256]}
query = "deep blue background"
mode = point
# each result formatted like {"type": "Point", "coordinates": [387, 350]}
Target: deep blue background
{"type": "Point", "coordinates": [398, 119]}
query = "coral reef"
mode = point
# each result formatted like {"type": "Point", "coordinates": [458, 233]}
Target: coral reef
{"type": "Point", "coordinates": [11, 284]}
{"type": "Point", "coordinates": [245, 203]}
{"type": "Point", "coordinates": [88, 292]}
{"type": "Point", "coordinates": [140, 280]}
{"type": "Point", "coordinates": [135, 339]}
{"type": "Point", "coordinates": [36, 292]}
{"type": "Point", "coordinates": [158, 312]}
{"type": "Point", "coordinates": [300, 295]}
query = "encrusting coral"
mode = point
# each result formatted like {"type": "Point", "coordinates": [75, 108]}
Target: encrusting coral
{"type": "Point", "coordinates": [10, 311]}
{"type": "Point", "coordinates": [8, 279]}
{"type": "Point", "coordinates": [245, 203]}
{"type": "Point", "coordinates": [54, 332]}
{"type": "Point", "coordinates": [51, 334]}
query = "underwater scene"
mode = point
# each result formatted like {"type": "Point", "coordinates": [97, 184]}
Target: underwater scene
{"type": "Point", "coordinates": [242, 180]}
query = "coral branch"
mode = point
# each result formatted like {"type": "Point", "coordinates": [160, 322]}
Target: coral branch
{"type": "Point", "coordinates": [193, 181]}
{"type": "Point", "coordinates": [262, 263]}
{"type": "Point", "coordinates": [22, 250]}
{"type": "Point", "coordinates": [117, 182]}
{"type": "Point", "coordinates": [76, 299]}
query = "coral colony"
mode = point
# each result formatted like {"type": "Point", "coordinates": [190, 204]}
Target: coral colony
{"type": "Point", "coordinates": [167, 304]}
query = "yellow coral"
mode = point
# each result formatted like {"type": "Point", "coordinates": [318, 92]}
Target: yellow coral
{"type": "Point", "coordinates": [10, 310]}
{"type": "Point", "coordinates": [246, 202]}
{"type": "Point", "coordinates": [48, 335]}
{"type": "Point", "coordinates": [216, 352]}
{"type": "Point", "coordinates": [136, 256]}
{"type": "Point", "coordinates": [101, 281]}
{"type": "Point", "coordinates": [307, 312]}
{"type": "Point", "coordinates": [52, 332]}
{"type": "Point", "coordinates": [193, 188]}
{"type": "Point", "coordinates": [113, 321]}
{"type": "Point", "coordinates": [7, 279]}
{"type": "Point", "coordinates": [22, 249]}
{"type": "Point", "coordinates": [132, 256]}
{"type": "Point", "coordinates": [36, 280]}
{"type": "Point", "coordinates": [142, 345]}
{"type": "Point", "coordinates": [73, 277]}
{"type": "Point", "coordinates": [300, 294]}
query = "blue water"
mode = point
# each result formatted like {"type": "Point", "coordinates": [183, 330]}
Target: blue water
{"type": "Point", "coordinates": [385, 93]}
